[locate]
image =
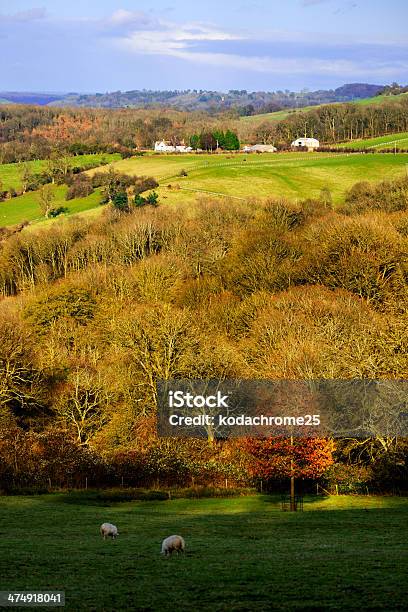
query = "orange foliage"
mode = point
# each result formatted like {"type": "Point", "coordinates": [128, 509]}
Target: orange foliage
{"type": "Point", "coordinates": [271, 457]}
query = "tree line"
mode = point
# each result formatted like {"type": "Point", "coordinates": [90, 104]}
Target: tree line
{"type": "Point", "coordinates": [28, 132]}
{"type": "Point", "coordinates": [337, 123]}
{"type": "Point", "coordinates": [217, 139]}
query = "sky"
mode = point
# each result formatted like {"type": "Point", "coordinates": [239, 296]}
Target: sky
{"type": "Point", "coordinates": [258, 45]}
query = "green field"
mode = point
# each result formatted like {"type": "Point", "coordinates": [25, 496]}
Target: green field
{"type": "Point", "coordinates": [381, 142]}
{"type": "Point", "coordinates": [279, 115]}
{"type": "Point", "coordinates": [381, 99]}
{"type": "Point", "coordinates": [10, 174]}
{"type": "Point", "coordinates": [294, 175]}
{"type": "Point", "coordinates": [341, 553]}
{"type": "Point", "coordinates": [26, 207]}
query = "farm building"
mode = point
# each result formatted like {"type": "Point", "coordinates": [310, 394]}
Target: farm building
{"type": "Point", "coordinates": [259, 148]}
{"type": "Point", "coordinates": [165, 146]}
{"type": "Point", "coordinates": [309, 143]}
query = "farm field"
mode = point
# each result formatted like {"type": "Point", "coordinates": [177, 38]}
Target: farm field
{"type": "Point", "coordinates": [293, 175]}
{"type": "Point", "coordinates": [26, 207]}
{"type": "Point", "coordinates": [380, 99]}
{"type": "Point", "coordinates": [279, 115]}
{"type": "Point", "coordinates": [386, 142]}
{"type": "Point", "coordinates": [10, 174]}
{"type": "Point", "coordinates": [341, 553]}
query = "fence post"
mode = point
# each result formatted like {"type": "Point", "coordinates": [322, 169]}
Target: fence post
{"type": "Point", "coordinates": [86, 482]}
{"type": "Point", "coordinates": [49, 482]}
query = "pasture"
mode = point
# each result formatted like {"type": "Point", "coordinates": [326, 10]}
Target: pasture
{"type": "Point", "coordinates": [381, 99]}
{"type": "Point", "coordinates": [278, 115]}
{"type": "Point", "coordinates": [272, 175]}
{"type": "Point", "coordinates": [381, 142]}
{"type": "Point", "coordinates": [26, 207]}
{"type": "Point", "coordinates": [10, 174]}
{"type": "Point", "coordinates": [293, 175]}
{"type": "Point", "coordinates": [244, 553]}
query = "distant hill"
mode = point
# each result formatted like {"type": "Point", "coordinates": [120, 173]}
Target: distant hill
{"type": "Point", "coordinates": [41, 99]}
{"type": "Point", "coordinates": [355, 91]}
{"type": "Point", "coordinates": [242, 102]}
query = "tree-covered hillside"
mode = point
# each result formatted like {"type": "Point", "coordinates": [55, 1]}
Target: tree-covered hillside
{"type": "Point", "coordinates": [94, 312]}
{"type": "Point", "coordinates": [243, 101]}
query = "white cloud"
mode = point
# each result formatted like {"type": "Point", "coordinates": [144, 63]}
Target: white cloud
{"type": "Point", "coordinates": [174, 40]}
{"type": "Point", "coordinates": [278, 66]}
{"type": "Point", "coordinates": [24, 16]}
{"type": "Point", "coordinates": [122, 17]}
{"type": "Point", "coordinates": [179, 41]}
{"type": "Point", "coordinates": [313, 2]}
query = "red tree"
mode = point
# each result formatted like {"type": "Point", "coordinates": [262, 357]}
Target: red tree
{"type": "Point", "coordinates": [272, 457]}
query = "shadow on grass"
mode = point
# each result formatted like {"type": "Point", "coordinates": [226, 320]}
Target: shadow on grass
{"type": "Point", "coordinates": [113, 496]}
{"type": "Point", "coordinates": [110, 497]}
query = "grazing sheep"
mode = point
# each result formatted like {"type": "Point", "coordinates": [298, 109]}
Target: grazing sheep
{"type": "Point", "coordinates": [172, 543]}
{"type": "Point", "coordinates": [107, 529]}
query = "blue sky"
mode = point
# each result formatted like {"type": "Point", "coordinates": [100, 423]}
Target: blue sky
{"type": "Point", "coordinates": [106, 45]}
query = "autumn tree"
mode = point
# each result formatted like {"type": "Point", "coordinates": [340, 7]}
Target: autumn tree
{"type": "Point", "coordinates": [46, 198]}
{"type": "Point", "coordinates": [26, 175]}
{"type": "Point", "coordinates": [276, 458]}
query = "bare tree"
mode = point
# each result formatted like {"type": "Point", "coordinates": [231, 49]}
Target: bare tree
{"type": "Point", "coordinates": [84, 404]}
{"type": "Point", "coordinates": [46, 198]}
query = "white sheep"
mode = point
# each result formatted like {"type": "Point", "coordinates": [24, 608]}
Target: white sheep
{"type": "Point", "coordinates": [172, 543]}
{"type": "Point", "coordinates": [107, 529]}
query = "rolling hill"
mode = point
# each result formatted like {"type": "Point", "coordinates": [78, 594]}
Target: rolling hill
{"type": "Point", "coordinates": [243, 101]}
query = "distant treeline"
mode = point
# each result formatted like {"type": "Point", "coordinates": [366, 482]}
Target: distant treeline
{"type": "Point", "coordinates": [338, 123]}
{"type": "Point", "coordinates": [33, 132]}
{"type": "Point", "coordinates": [240, 101]}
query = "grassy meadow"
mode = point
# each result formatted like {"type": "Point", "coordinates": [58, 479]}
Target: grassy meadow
{"type": "Point", "coordinates": [293, 175]}
{"type": "Point", "coordinates": [382, 142]}
{"type": "Point", "coordinates": [10, 174]}
{"type": "Point", "coordinates": [381, 99]}
{"type": "Point", "coordinates": [341, 553]}
{"type": "Point", "coordinates": [278, 115]}
{"type": "Point", "coordinates": [26, 207]}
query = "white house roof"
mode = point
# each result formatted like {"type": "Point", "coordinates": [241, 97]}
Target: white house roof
{"type": "Point", "coordinates": [305, 142]}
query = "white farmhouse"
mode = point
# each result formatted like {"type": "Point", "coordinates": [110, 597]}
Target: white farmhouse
{"type": "Point", "coordinates": [165, 146]}
{"type": "Point", "coordinates": [309, 143]}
